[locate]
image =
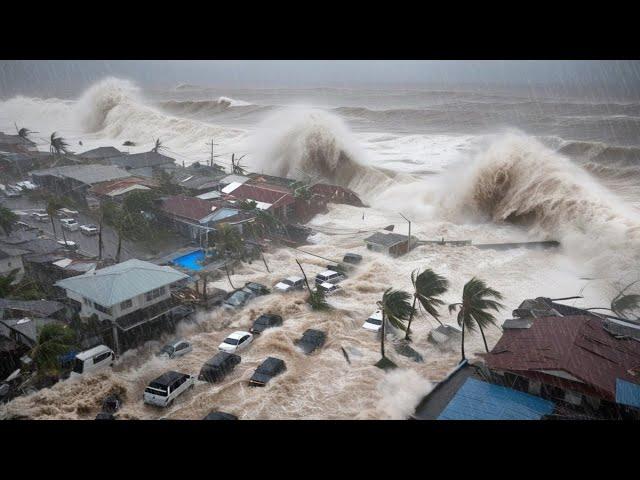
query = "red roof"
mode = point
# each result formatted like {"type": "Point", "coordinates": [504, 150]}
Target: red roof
{"type": "Point", "coordinates": [577, 345]}
{"type": "Point", "coordinates": [105, 188]}
{"type": "Point", "coordinates": [264, 193]}
{"type": "Point", "coordinates": [190, 208]}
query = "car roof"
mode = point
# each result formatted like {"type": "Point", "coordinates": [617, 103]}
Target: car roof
{"type": "Point", "coordinates": [238, 334]}
{"type": "Point", "coordinates": [92, 352]}
{"type": "Point", "coordinates": [327, 273]}
{"type": "Point", "coordinates": [173, 344]}
{"type": "Point", "coordinates": [329, 285]}
{"type": "Point", "coordinates": [312, 332]}
{"type": "Point", "coordinates": [168, 378]}
{"type": "Point", "coordinates": [271, 363]}
{"type": "Point", "coordinates": [218, 358]}
{"type": "Point", "coordinates": [377, 315]}
{"type": "Point", "coordinates": [294, 279]}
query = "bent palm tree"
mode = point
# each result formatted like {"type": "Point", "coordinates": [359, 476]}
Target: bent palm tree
{"type": "Point", "coordinates": [316, 297]}
{"type": "Point", "coordinates": [475, 308]}
{"type": "Point", "coordinates": [396, 309]}
{"type": "Point", "coordinates": [157, 146]}
{"type": "Point", "coordinates": [52, 207]}
{"type": "Point", "coordinates": [427, 287]}
{"type": "Point", "coordinates": [58, 145]}
{"type": "Point", "coordinates": [54, 340]}
{"type": "Point", "coordinates": [7, 220]}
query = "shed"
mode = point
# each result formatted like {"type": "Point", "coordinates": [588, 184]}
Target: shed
{"type": "Point", "coordinates": [393, 244]}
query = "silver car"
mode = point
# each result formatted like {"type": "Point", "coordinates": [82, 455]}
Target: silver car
{"type": "Point", "coordinates": [176, 349]}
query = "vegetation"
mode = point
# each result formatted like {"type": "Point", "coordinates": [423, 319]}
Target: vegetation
{"type": "Point", "coordinates": [427, 287]}
{"type": "Point", "coordinates": [228, 241]}
{"type": "Point", "coordinates": [166, 184]}
{"type": "Point", "coordinates": [157, 146]}
{"type": "Point", "coordinates": [53, 205]}
{"type": "Point", "coordinates": [236, 167]}
{"type": "Point", "coordinates": [478, 300]}
{"type": "Point", "coordinates": [54, 340]}
{"type": "Point", "coordinates": [316, 298]}
{"type": "Point", "coordinates": [396, 309]}
{"type": "Point", "coordinates": [7, 220]}
{"type": "Point", "coordinates": [58, 145]}
{"type": "Point", "coordinates": [22, 290]}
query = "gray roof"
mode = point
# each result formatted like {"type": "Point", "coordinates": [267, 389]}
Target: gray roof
{"type": "Point", "coordinates": [29, 327]}
{"type": "Point", "coordinates": [140, 160]}
{"type": "Point", "coordinates": [43, 308]}
{"type": "Point", "coordinates": [41, 245]}
{"type": "Point", "coordinates": [112, 285]}
{"type": "Point", "coordinates": [15, 140]}
{"type": "Point", "coordinates": [387, 240]}
{"type": "Point", "coordinates": [88, 174]}
{"type": "Point", "coordinates": [7, 252]}
{"type": "Point", "coordinates": [101, 152]}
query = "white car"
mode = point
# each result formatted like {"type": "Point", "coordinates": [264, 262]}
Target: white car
{"type": "Point", "coordinates": [40, 216]}
{"type": "Point", "coordinates": [236, 342]}
{"type": "Point", "coordinates": [176, 349]}
{"type": "Point", "coordinates": [374, 322]}
{"type": "Point", "coordinates": [329, 276]}
{"type": "Point", "coordinates": [27, 185]}
{"type": "Point", "coordinates": [65, 212]}
{"type": "Point", "coordinates": [97, 358]}
{"type": "Point", "coordinates": [71, 245]}
{"type": "Point", "coordinates": [162, 391]}
{"type": "Point", "coordinates": [289, 284]}
{"type": "Point", "coordinates": [329, 288]}
{"type": "Point", "coordinates": [89, 229]}
{"type": "Point", "coordinates": [70, 224]}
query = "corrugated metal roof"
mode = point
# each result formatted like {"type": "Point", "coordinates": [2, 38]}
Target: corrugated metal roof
{"type": "Point", "coordinates": [627, 393]}
{"type": "Point", "coordinates": [387, 240]}
{"type": "Point", "coordinates": [478, 400]}
{"type": "Point", "coordinates": [88, 174]}
{"type": "Point", "coordinates": [112, 285]}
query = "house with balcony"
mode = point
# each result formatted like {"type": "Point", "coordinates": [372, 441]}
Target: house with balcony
{"type": "Point", "coordinates": [127, 297]}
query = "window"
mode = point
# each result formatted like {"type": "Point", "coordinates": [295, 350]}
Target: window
{"type": "Point", "coordinates": [101, 357]}
{"type": "Point", "coordinates": [153, 294]}
{"type": "Point", "coordinates": [126, 304]}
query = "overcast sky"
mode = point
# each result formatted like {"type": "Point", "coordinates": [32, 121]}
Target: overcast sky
{"type": "Point", "coordinates": [56, 77]}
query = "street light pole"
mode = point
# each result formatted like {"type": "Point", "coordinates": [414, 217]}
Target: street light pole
{"type": "Point", "coordinates": [409, 240]}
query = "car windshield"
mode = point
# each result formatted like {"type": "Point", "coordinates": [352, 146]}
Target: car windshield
{"type": "Point", "coordinates": [286, 281]}
{"type": "Point", "coordinates": [156, 389]}
{"type": "Point", "coordinates": [374, 321]}
{"type": "Point", "coordinates": [231, 341]}
{"type": "Point", "coordinates": [167, 349]}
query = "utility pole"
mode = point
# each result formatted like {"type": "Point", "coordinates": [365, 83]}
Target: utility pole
{"type": "Point", "coordinates": [211, 144]}
{"type": "Point", "coordinates": [408, 241]}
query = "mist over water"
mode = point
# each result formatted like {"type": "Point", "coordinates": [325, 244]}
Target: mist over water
{"type": "Point", "coordinates": [463, 165]}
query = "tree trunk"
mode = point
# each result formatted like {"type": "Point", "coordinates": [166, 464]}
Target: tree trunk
{"type": "Point", "coordinates": [100, 240]}
{"type": "Point", "coordinates": [382, 330]}
{"type": "Point", "coordinates": [119, 248]}
{"type": "Point", "coordinates": [64, 237]}
{"type": "Point", "coordinates": [462, 343]}
{"type": "Point", "coordinates": [484, 339]}
{"type": "Point", "coordinates": [53, 225]}
{"type": "Point", "coordinates": [413, 309]}
{"type": "Point", "coordinates": [226, 269]}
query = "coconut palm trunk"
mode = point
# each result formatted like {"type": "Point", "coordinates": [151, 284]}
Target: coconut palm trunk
{"type": "Point", "coordinates": [53, 226]}
{"type": "Point", "coordinates": [382, 331]}
{"type": "Point", "coordinates": [413, 309]}
{"type": "Point", "coordinates": [119, 250]}
{"type": "Point", "coordinates": [462, 344]}
{"type": "Point", "coordinates": [484, 339]}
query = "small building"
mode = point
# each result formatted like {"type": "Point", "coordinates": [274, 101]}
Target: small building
{"type": "Point", "coordinates": [134, 161]}
{"type": "Point", "coordinates": [100, 154]}
{"type": "Point", "coordinates": [577, 360]}
{"type": "Point", "coordinates": [466, 395]}
{"type": "Point", "coordinates": [393, 244]}
{"type": "Point", "coordinates": [127, 295]}
{"type": "Point", "coordinates": [10, 308]}
{"type": "Point", "coordinates": [116, 190]}
{"type": "Point", "coordinates": [11, 259]}
{"type": "Point", "coordinates": [24, 331]}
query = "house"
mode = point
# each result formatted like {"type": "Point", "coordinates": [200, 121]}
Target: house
{"type": "Point", "coordinates": [100, 154]}
{"type": "Point", "coordinates": [196, 218]}
{"type": "Point", "coordinates": [11, 259]}
{"type": "Point", "coordinates": [134, 161]}
{"type": "Point", "coordinates": [127, 295]}
{"type": "Point", "coordinates": [16, 143]}
{"type": "Point", "coordinates": [10, 308]}
{"type": "Point", "coordinates": [577, 360]}
{"type": "Point", "coordinates": [76, 180]}
{"type": "Point", "coordinates": [272, 198]}
{"type": "Point", "coordinates": [393, 244]}
{"type": "Point", "coordinates": [466, 395]}
{"type": "Point", "coordinates": [19, 163]}
{"type": "Point", "coordinates": [117, 189]}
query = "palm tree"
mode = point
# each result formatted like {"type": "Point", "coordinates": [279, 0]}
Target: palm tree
{"type": "Point", "coordinates": [228, 240]}
{"type": "Point", "coordinates": [395, 308]}
{"type": "Point", "coordinates": [157, 146]}
{"type": "Point", "coordinates": [58, 145]}
{"type": "Point", "coordinates": [316, 297]}
{"type": "Point", "coordinates": [54, 340]}
{"type": "Point", "coordinates": [475, 308]}
{"type": "Point", "coordinates": [23, 132]}
{"type": "Point", "coordinates": [53, 206]}
{"type": "Point", "coordinates": [427, 287]}
{"type": "Point", "coordinates": [236, 167]}
{"type": "Point", "coordinates": [7, 220]}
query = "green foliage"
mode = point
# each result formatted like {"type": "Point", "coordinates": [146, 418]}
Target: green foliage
{"type": "Point", "coordinates": [140, 201]}
{"type": "Point", "coordinates": [54, 340]}
{"type": "Point", "coordinates": [396, 307]}
{"type": "Point", "coordinates": [23, 290]}
{"type": "Point", "coordinates": [7, 219]}
{"type": "Point", "coordinates": [317, 300]}
{"type": "Point", "coordinates": [228, 240]}
{"type": "Point", "coordinates": [428, 286]}
{"type": "Point", "coordinates": [166, 184]}
{"type": "Point", "coordinates": [58, 145]}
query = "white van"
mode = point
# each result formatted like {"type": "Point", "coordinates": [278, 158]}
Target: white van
{"type": "Point", "coordinates": [329, 276]}
{"type": "Point", "coordinates": [162, 391]}
{"type": "Point", "coordinates": [70, 224]}
{"type": "Point", "coordinates": [92, 360]}
{"type": "Point", "coordinates": [66, 212]}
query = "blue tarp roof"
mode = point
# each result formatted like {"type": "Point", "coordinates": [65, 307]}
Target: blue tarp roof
{"type": "Point", "coordinates": [627, 393]}
{"type": "Point", "coordinates": [477, 400]}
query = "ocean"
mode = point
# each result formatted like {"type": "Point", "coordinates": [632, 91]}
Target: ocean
{"type": "Point", "coordinates": [467, 163]}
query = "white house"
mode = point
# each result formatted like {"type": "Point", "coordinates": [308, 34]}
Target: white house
{"type": "Point", "coordinates": [127, 294]}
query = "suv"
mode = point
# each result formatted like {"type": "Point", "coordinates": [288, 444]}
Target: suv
{"type": "Point", "coordinates": [264, 321]}
{"type": "Point", "coordinates": [256, 288]}
{"type": "Point", "coordinates": [311, 340]}
{"type": "Point", "coordinates": [89, 229]}
{"type": "Point", "coordinates": [289, 284]}
{"type": "Point", "coordinates": [329, 276]}
{"type": "Point", "coordinates": [218, 367]}
{"type": "Point", "coordinates": [69, 224]}
{"type": "Point", "coordinates": [163, 391]}
{"type": "Point", "coordinates": [328, 288]}
{"type": "Point", "coordinates": [268, 369]}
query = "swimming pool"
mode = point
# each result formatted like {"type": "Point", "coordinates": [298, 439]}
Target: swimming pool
{"type": "Point", "coordinates": [190, 260]}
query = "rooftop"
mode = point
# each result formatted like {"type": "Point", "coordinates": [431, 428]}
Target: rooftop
{"type": "Point", "coordinates": [140, 160]}
{"type": "Point", "coordinates": [265, 194]}
{"type": "Point", "coordinates": [112, 285]}
{"type": "Point", "coordinates": [190, 208]}
{"type": "Point", "coordinates": [118, 187]}
{"type": "Point", "coordinates": [578, 347]}
{"type": "Point", "coordinates": [101, 153]}
{"type": "Point", "coordinates": [14, 140]}
{"type": "Point", "coordinates": [88, 174]}
{"type": "Point", "coordinates": [43, 308]}
{"type": "Point", "coordinates": [387, 240]}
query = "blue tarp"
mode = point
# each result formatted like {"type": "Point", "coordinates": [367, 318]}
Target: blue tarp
{"type": "Point", "coordinates": [478, 400]}
{"type": "Point", "coordinates": [627, 393]}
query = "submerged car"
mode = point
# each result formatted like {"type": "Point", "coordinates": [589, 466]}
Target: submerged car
{"type": "Point", "coordinates": [41, 216]}
{"type": "Point", "coordinates": [268, 369]}
{"type": "Point", "coordinates": [289, 284]}
{"type": "Point", "coordinates": [311, 340]}
{"type": "Point", "coordinates": [111, 404]}
{"type": "Point", "coordinates": [238, 298]}
{"type": "Point", "coordinates": [256, 288]}
{"type": "Point", "coordinates": [265, 321]}
{"type": "Point", "coordinates": [236, 342]}
{"type": "Point", "coordinates": [329, 288]}
{"type": "Point", "coordinates": [90, 229]}
{"type": "Point", "coordinates": [66, 212]}
{"type": "Point", "coordinates": [218, 367]}
{"type": "Point", "coordinates": [176, 349]}
{"type": "Point", "coordinates": [352, 258]}
{"type": "Point", "coordinates": [220, 416]}
{"type": "Point", "coordinates": [163, 391]}
{"type": "Point", "coordinates": [329, 276]}
{"type": "Point", "coordinates": [374, 322]}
